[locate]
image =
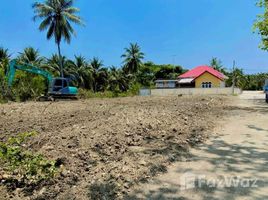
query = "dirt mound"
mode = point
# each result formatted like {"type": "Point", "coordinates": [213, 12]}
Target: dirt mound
{"type": "Point", "coordinates": [108, 146]}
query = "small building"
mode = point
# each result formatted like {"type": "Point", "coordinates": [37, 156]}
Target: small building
{"type": "Point", "coordinates": [202, 77]}
{"type": "Point", "coordinates": [166, 83]}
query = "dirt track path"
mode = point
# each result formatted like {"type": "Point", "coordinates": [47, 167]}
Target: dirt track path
{"type": "Point", "coordinates": [236, 158]}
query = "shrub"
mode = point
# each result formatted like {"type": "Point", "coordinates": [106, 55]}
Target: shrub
{"type": "Point", "coordinates": [28, 86]}
{"type": "Point", "coordinates": [4, 91]}
{"type": "Point", "coordinates": [86, 94]}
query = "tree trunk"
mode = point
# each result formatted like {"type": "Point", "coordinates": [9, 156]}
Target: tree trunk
{"type": "Point", "coordinates": [61, 61]}
{"type": "Point", "coordinates": [95, 86]}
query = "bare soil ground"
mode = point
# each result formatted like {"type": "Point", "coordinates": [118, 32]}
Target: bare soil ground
{"type": "Point", "coordinates": [108, 146]}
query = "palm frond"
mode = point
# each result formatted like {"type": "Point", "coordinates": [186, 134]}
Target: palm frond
{"type": "Point", "coordinates": [132, 58]}
{"type": "Point", "coordinates": [57, 16]}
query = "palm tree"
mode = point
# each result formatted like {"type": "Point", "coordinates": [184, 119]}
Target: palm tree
{"type": "Point", "coordinates": [217, 64]}
{"type": "Point", "coordinates": [81, 71]}
{"type": "Point", "coordinates": [118, 80]}
{"type": "Point", "coordinates": [113, 78]}
{"type": "Point", "coordinates": [99, 75]}
{"type": "Point", "coordinates": [4, 59]}
{"type": "Point", "coordinates": [56, 16]}
{"type": "Point", "coordinates": [132, 58]}
{"type": "Point", "coordinates": [31, 56]}
{"type": "Point", "coordinates": [103, 79]}
{"type": "Point", "coordinates": [236, 78]}
{"type": "Point", "coordinates": [53, 64]}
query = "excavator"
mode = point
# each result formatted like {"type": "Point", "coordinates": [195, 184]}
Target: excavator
{"type": "Point", "coordinates": [58, 88]}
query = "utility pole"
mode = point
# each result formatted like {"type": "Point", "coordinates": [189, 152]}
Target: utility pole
{"type": "Point", "coordinates": [233, 76]}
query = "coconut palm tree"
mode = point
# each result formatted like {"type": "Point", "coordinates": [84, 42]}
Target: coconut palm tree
{"type": "Point", "coordinates": [31, 56]}
{"type": "Point", "coordinates": [99, 75]}
{"type": "Point", "coordinates": [217, 64]}
{"type": "Point", "coordinates": [53, 65]}
{"type": "Point", "coordinates": [57, 16]}
{"type": "Point", "coordinates": [132, 58]}
{"type": "Point", "coordinates": [236, 78]}
{"type": "Point", "coordinates": [103, 79]}
{"type": "Point", "coordinates": [113, 78]}
{"type": "Point", "coordinates": [118, 80]}
{"type": "Point", "coordinates": [4, 59]}
{"type": "Point", "coordinates": [80, 71]}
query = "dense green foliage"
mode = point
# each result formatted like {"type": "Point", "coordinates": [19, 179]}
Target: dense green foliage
{"type": "Point", "coordinates": [253, 81]}
{"type": "Point", "coordinates": [261, 24]}
{"type": "Point", "coordinates": [22, 167]}
{"type": "Point", "coordinates": [3, 87]}
{"type": "Point", "coordinates": [4, 62]}
{"type": "Point", "coordinates": [91, 76]}
{"type": "Point", "coordinates": [96, 80]}
{"type": "Point", "coordinates": [256, 81]}
{"type": "Point", "coordinates": [149, 72]}
{"type": "Point", "coordinates": [4, 59]}
{"type": "Point", "coordinates": [238, 78]}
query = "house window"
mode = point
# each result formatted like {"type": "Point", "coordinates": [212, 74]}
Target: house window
{"type": "Point", "coordinates": [206, 85]}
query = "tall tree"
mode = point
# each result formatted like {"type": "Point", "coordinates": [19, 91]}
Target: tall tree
{"type": "Point", "coordinates": [56, 16]}
{"type": "Point", "coordinates": [132, 58]}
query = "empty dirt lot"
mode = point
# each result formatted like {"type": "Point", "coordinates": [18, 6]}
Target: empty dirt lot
{"type": "Point", "coordinates": [108, 146]}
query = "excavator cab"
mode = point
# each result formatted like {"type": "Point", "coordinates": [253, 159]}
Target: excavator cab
{"type": "Point", "coordinates": [60, 87]}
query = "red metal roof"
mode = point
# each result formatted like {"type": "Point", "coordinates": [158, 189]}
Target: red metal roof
{"type": "Point", "coordinates": [198, 71]}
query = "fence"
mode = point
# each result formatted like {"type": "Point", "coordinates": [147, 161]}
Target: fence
{"type": "Point", "coordinates": [195, 91]}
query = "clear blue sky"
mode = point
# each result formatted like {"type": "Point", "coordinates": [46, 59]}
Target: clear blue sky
{"type": "Point", "coordinates": [194, 31]}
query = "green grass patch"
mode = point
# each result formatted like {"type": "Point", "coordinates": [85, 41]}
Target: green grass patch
{"type": "Point", "coordinates": [86, 94]}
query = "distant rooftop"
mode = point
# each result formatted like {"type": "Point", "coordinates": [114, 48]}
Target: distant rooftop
{"type": "Point", "coordinates": [198, 71]}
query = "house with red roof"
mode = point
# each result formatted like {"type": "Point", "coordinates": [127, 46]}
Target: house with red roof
{"type": "Point", "coordinates": [202, 77]}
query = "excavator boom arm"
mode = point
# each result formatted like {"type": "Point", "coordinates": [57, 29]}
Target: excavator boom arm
{"type": "Point", "coordinates": [27, 68]}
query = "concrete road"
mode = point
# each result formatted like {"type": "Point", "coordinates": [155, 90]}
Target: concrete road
{"type": "Point", "coordinates": [232, 165]}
